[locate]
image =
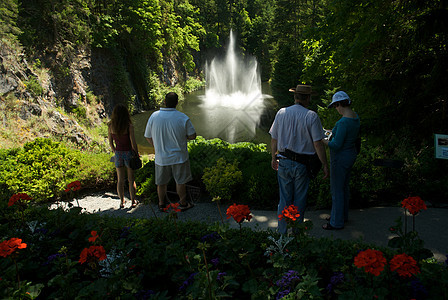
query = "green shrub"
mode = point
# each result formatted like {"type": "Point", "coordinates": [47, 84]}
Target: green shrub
{"type": "Point", "coordinates": [33, 85]}
{"type": "Point", "coordinates": [259, 186]}
{"type": "Point", "coordinates": [205, 153]}
{"type": "Point", "coordinates": [95, 170]}
{"type": "Point", "coordinates": [368, 182]}
{"type": "Point", "coordinates": [80, 112]}
{"type": "Point", "coordinates": [145, 181]}
{"type": "Point", "coordinates": [422, 174]}
{"type": "Point", "coordinates": [193, 84]}
{"type": "Point", "coordinates": [221, 179]}
{"type": "Point", "coordinates": [43, 168]}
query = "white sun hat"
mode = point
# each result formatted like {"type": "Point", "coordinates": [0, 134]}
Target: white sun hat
{"type": "Point", "coordinates": [339, 96]}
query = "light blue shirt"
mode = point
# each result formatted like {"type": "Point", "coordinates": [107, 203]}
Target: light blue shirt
{"type": "Point", "coordinates": [296, 128]}
{"type": "Point", "coordinates": [344, 134]}
{"type": "Point", "coordinates": [168, 128]}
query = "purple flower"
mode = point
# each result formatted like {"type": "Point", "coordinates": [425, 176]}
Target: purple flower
{"type": "Point", "coordinates": [187, 282]}
{"type": "Point", "coordinates": [288, 278]}
{"type": "Point", "coordinates": [215, 261]}
{"type": "Point", "coordinates": [221, 275]}
{"type": "Point", "coordinates": [125, 232]}
{"type": "Point", "coordinates": [52, 257]}
{"type": "Point", "coordinates": [42, 230]}
{"type": "Point", "coordinates": [212, 237]}
{"type": "Point", "coordinates": [337, 278]}
{"type": "Point", "coordinates": [282, 294]}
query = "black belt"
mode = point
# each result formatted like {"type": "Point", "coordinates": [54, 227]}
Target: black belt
{"type": "Point", "coordinates": [312, 162]}
{"type": "Point", "coordinates": [300, 158]}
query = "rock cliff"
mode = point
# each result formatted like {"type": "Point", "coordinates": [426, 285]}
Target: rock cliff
{"type": "Point", "coordinates": [63, 98]}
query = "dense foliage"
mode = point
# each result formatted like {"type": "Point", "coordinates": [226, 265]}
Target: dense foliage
{"type": "Point", "coordinates": [390, 56]}
{"type": "Point", "coordinates": [220, 179]}
{"type": "Point", "coordinates": [234, 172]}
{"type": "Point", "coordinates": [43, 169]}
{"type": "Point", "coordinates": [256, 188]}
{"type": "Point", "coordinates": [67, 254]}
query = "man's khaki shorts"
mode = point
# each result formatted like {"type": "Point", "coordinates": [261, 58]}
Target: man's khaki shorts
{"type": "Point", "coordinates": [180, 172]}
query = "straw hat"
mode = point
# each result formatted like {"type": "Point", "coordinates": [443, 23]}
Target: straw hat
{"type": "Point", "coordinates": [302, 89]}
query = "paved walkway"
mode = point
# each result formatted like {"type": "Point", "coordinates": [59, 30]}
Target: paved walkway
{"type": "Point", "coordinates": [370, 224]}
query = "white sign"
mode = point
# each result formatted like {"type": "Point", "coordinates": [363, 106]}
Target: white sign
{"type": "Point", "coordinates": [441, 146]}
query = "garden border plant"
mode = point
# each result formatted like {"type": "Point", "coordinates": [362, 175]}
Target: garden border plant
{"type": "Point", "coordinates": [65, 253]}
{"type": "Point", "coordinates": [69, 254]}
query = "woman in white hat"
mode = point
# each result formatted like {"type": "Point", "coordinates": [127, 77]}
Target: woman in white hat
{"type": "Point", "coordinates": [343, 154]}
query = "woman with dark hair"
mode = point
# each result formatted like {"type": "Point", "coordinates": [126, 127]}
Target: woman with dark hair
{"type": "Point", "coordinates": [343, 154]}
{"type": "Point", "coordinates": [122, 142]}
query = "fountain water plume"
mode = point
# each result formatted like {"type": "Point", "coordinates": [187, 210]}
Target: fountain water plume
{"type": "Point", "coordinates": [233, 95]}
{"type": "Point", "coordinates": [233, 82]}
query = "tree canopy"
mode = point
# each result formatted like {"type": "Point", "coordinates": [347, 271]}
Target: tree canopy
{"type": "Point", "coordinates": [390, 56]}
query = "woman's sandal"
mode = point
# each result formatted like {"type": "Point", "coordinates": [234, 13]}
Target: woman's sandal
{"type": "Point", "coordinates": [134, 204]}
{"type": "Point", "coordinates": [122, 205]}
{"type": "Point", "coordinates": [329, 227]}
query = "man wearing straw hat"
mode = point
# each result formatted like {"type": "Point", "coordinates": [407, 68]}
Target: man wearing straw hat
{"type": "Point", "coordinates": [296, 135]}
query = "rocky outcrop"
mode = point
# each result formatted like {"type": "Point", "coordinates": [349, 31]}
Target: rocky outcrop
{"type": "Point", "coordinates": [37, 95]}
{"type": "Point", "coordinates": [14, 71]}
{"type": "Point", "coordinates": [57, 84]}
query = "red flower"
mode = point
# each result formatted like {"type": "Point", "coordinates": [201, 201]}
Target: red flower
{"type": "Point", "coordinates": [9, 246]}
{"type": "Point", "coordinates": [371, 260]}
{"type": "Point", "coordinates": [404, 265]}
{"type": "Point", "coordinates": [92, 254]}
{"type": "Point", "coordinates": [290, 213]}
{"type": "Point", "coordinates": [73, 186]}
{"type": "Point", "coordinates": [94, 236]}
{"type": "Point", "coordinates": [173, 206]}
{"type": "Point", "coordinates": [239, 212]}
{"type": "Point", "coordinates": [413, 204]}
{"type": "Point", "coordinates": [17, 197]}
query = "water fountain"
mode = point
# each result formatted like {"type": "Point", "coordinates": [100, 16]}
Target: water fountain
{"type": "Point", "coordinates": [233, 100]}
{"type": "Point", "coordinates": [232, 105]}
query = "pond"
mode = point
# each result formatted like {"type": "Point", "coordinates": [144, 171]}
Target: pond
{"type": "Point", "coordinates": [244, 121]}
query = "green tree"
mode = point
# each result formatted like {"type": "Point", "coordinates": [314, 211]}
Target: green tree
{"type": "Point", "coordinates": [51, 22]}
{"type": "Point", "coordinates": [390, 56]}
{"type": "Point", "coordinates": [181, 31]}
{"type": "Point", "coordinates": [291, 21]}
{"type": "Point", "coordinates": [9, 10]}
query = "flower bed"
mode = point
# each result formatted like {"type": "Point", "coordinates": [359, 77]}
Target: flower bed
{"type": "Point", "coordinates": [66, 254]}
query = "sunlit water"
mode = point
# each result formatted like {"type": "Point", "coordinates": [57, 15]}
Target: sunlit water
{"type": "Point", "coordinates": [218, 122]}
{"type": "Point", "coordinates": [234, 106]}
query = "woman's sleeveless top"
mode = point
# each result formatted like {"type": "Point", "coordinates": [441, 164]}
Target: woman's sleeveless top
{"type": "Point", "coordinates": [122, 142]}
